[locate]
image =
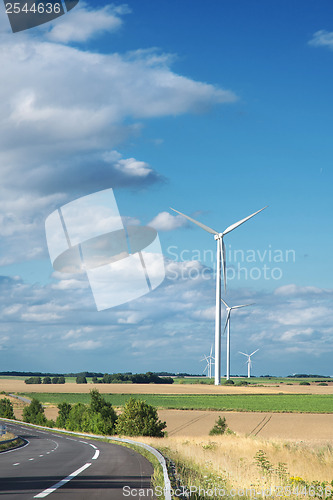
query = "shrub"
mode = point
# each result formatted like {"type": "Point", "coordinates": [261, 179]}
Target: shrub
{"type": "Point", "coordinates": [139, 419]}
{"type": "Point", "coordinates": [47, 380]}
{"type": "Point", "coordinates": [322, 383]}
{"type": "Point", "coordinates": [304, 383]}
{"type": "Point", "coordinates": [219, 428]}
{"type": "Point", "coordinates": [229, 382]}
{"type": "Point", "coordinates": [34, 413]}
{"type": "Point", "coordinates": [6, 409]}
{"type": "Point", "coordinates": [81, 379]}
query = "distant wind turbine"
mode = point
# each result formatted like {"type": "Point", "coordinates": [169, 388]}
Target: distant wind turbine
{"type": "Point", "coordinates": [209, 359]}
{"type": "Point", "coordinates": [249, 362]}
{"type": "Point", "coordinates": [220, 256]}
{"type": "Point", "coordinates": [227, 324]}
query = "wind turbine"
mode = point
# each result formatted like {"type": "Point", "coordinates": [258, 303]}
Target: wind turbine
{"type": "Point", "coordinates": [209, 361]}
{"type": "Point", "coordinates": [249, 362]}
{"type": "Point", "coordinates": [220, 256]}
{"type": "Point", "coordinates": [227, 324]}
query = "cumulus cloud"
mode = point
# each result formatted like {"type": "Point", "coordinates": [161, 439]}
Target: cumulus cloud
{"type": "Point", "coordinates": [84, 23]}
{"type": "Point", "coordinates": [164, 221]}
{"type": "Point", "coordinates": [66, 113]}
{"type": "Point", "coordinates": [322, 38]}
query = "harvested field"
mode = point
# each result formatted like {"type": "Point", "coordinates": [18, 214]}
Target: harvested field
{"type": "Point", "coordinates": [266, 425]}
{"type": "Point", "coordinates": [13, 385]}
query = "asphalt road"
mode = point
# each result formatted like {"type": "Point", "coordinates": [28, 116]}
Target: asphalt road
{"type": "Point", "coordinates": [86, 469]}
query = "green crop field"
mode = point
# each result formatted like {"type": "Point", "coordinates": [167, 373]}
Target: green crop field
{"type": "Point", "coordinates": [299, 403]}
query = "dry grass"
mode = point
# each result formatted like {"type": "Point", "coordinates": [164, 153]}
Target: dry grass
{"type": "Point", "coordinates": [7, 436]}
{"type": "Point", "coordinates": [233, 457]}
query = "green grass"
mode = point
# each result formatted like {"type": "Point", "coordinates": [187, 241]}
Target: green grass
{"type": "Point", "coordinates": [299, 403]}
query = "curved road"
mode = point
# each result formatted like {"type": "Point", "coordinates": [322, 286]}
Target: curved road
{"type": "Point", "coordinates": [60, 467]}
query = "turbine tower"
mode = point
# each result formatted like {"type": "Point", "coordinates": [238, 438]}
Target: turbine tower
{"type": "Point", "coordinates": [227, 324]}
{"type": "Point", "coordinates": [220, 256]}
{"type": "Point", "coordinates": [249, 362]}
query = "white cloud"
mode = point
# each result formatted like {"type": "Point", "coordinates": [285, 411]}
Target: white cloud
{"type": "Point", "coordinates": [292, 289]}
{"type": "Point", "coordinates": [322, 38]}
{"type": "Point", "coordinates": [83, 23]}
{"type": "Point", "coordinates": [85, 345]}
{"type": "Point", "coordinates": [164, 221]}
{"type": "Point", "coordinates": [65, 112]}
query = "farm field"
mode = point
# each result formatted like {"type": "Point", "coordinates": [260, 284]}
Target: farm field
{"type": "Point", "coordinates": [301, 403]}
{"type": "Point", "coordinates": [18, 386]}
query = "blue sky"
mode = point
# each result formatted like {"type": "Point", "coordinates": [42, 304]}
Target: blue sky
{"type": "Point", "coordinates": [214, 108]}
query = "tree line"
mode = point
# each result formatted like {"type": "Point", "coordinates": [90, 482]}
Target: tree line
{"type": "Point", "coordinates": [115, 378]}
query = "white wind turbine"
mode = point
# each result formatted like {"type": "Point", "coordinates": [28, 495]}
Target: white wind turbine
{"type": "Point", "coordinates": [220, 256]}
{"type": "Point", "coordinates": [227, 324]}
{"type": "Point", "coordinates": [209, 359]}
{"type": "Point", "coordinates": [249, 362]}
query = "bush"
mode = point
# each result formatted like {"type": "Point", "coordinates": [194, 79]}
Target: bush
{"type": "Point", "coordinates": [229, 382]}
{"type": "Point", "coordinates": [304, 383]}
{"type": "Point", "coordinates": [140, 419]}
{"type": "Point", "coordinates": [34, 413]}
{"type": "Point", "coordinates": [47, 380]}
{"type": "Point", "coordinates": [219, 428]}
{"type": "Point", "coordinates": [322, 383]}
{"type": "Point", "coordinates": [6, 409]}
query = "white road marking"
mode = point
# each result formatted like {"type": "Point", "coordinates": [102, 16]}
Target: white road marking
{"type": "Point", "coordinates": [17, 463]}
{"type": "Point", "coordinates": [93, 446]}
{"type": "Point", "coordinates": [48, 491]}
{"type": "Point", "coordinates": [41, 455]}
{"type": "Point", "coordinates": [31, 459]}
{"type": "Point", "coordinates": [96, 455]}
{"type": "Point", "coordinates": [84, 442]}
{"type": "Point", "coordinates": [71, 439]}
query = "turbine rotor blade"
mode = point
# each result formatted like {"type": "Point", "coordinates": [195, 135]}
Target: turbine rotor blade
{"type": "Point", "coordinates": [254, 352]}
{"type": "Point", "coordinates": [224, 270]}
{"type": "Point", "coordinates": [243, 353]}
{"type": "Point", "coordinates": [233, 226]}
{"type": "Point", "coordinates": [243, 305]}
{"type": "Point", "coordinates": [203, 226]}
{"type": "Point", "coordinates": [226, 323]}
{"type": "Point", "coordinates": [226, 305]}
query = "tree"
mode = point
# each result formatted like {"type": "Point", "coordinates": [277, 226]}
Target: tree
{"type": "Point", "coordinates": [34, 413]}
{"type": "Point", "coordinates": [219, 428]}
{"type": "Point", "coordinates": [139, 419]}
{"type": "Point", "coordinates": [61, 380]}
{"type": "Point", "coordinates": [101, 415]}
{"type": "Point", "coordinates": [33, 380]}
{"type": "Point", "coordinates": [47, 380]}
{"type": "Point", "coordinates": [6, 409]}
{"type": "Point", "coordinates": [81, 379]}
{"type": "Point", "coordinates": [64, 411]}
